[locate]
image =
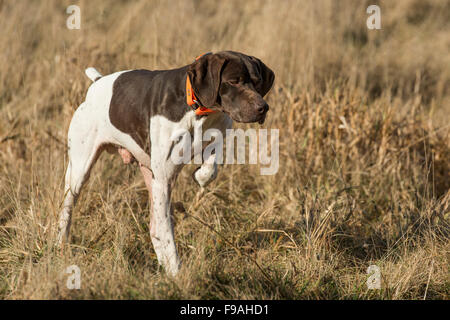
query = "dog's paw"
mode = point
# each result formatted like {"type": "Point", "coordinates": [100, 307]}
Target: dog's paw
{"type": "Point", "coordinates": [205, 174]}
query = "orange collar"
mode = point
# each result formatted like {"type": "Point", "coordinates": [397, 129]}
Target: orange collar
{"type": "Point", "coordinates": [192, 100]}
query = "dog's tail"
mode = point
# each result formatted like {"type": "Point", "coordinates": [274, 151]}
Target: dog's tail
{"type": "Point", "coordinates": [93, 74]}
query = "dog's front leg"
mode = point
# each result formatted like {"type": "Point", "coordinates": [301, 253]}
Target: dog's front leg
{"type": "Point", "coordinates": [207, 172]}
{"type": "Point", "coordinates": [161, 229]}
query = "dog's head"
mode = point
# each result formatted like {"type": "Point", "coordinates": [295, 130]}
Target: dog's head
{"type": "Point", "coordinates": [234, 83]}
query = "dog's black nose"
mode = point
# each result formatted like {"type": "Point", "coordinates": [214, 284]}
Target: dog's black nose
{"type": "Point", "coordinates": [263, 108]}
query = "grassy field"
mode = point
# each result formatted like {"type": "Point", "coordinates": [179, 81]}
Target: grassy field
{"type": "Point", "coordinates": [364, 153]}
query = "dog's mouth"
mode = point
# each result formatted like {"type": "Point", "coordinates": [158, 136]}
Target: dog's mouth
{"type": "Point", "coordinates": [260, 119]}
{"type": "Point", "coordinates": [238, 118]}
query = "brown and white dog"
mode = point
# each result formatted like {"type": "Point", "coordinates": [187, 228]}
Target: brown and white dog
{"type": "Point", "coordinates": [137, 111]}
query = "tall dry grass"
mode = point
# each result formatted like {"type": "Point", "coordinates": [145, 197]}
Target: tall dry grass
{"type": "Point", "coordinates": [364, 153]}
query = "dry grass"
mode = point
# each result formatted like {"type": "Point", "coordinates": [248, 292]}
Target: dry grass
{"type": "Point", "coordinates": [372, 190]}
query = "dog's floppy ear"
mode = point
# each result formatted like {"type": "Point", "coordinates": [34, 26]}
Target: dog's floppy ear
{"type": "Point", "coordinates": [205, 76]}
{"type": "Point", "coordinates": [261, 75]}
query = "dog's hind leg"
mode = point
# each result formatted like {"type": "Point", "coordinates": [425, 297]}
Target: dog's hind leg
{"type": "Point", "coordinates": [84, 150]}
{"type": "Point", "coordinates": [148, 177]}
